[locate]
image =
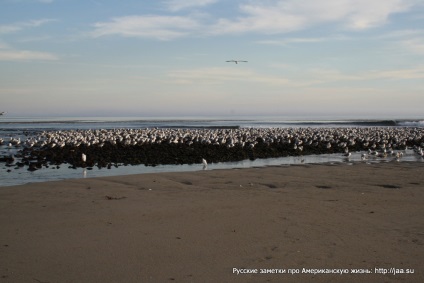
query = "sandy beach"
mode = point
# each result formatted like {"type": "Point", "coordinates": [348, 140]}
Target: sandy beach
{"type": "Point", "coordinates": [305, 223]}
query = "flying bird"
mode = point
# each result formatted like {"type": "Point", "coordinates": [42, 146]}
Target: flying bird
{"type": "Point", "coordinates": [236, 61]}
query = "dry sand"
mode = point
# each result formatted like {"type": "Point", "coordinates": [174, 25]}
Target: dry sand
{"type": "Point", "coordinates": [199, 226]}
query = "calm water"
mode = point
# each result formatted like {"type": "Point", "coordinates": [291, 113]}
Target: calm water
{"type": "Point", "coordinates": [24, 126]}
{"type": "Point", "coordinates": [65, 123]}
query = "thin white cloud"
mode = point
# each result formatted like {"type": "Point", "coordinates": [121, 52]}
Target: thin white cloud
{"type": "Point", "coordinates": [34, 38]}
{"type": "Point", "coordinates": [25, 55]}
{"type": "Point", "coordinates": [329, 75]}
{"type": "Point", "coordinates": [10, 28]}
{"type": "Point", "coordinates": [315, 76]}
{"type": "Point", "coordinates": [292, 15]}
{"type": "Point", "coordinates": [415, 45]}
{"type": "Point", "coordinates": [309, 77]}
{"type": "Point", "coordinates": [322, 76]}
{"type": "Point", "coordinates": [291, 40]}
{"type": "Point", "coordinates": [266, 17]}
{"type": "Point", "coordinates": [159, 27]}
{"type": "Point", "coordinates": [9, 54]}
{"type": "Point", "coordinates": [400, 34]}
{"type": "Point", "coordinates": [177, 5]}
{"type": "Point", "coordinates": [208, 75]}
{"type": "Point", "coordinates": [399, 74]}
{"type": "Point", "coordinates": [410, 40]}
{"type": "Point", "coordinates": [222, 75]}
{"type": "Point", "coordinates": [19, 26]}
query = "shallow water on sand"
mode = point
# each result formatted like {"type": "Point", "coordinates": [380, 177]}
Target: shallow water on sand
{"type": "Point", "coordinates": [23, 176]}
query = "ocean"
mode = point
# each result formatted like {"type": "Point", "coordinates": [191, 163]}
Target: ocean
{"type": "Point", "coordinates": [23, 127]}
{"type": "Point", "coordinates": [67, 123]}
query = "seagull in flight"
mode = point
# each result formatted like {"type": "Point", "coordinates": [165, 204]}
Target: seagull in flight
{"type": "Point", "coordinates": [236, 61]}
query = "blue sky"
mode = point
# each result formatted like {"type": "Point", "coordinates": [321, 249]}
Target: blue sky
{"type": "Point", "coordinates": [167, 58]}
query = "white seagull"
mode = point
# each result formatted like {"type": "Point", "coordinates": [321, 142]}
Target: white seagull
{"type": "Point", "coordinates": [236, 61]}
{"type": "Point", "coordinates": [205, 164]}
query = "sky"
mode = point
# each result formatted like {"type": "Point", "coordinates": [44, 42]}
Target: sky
{"type": "Point", "coordinates": [356, 58]}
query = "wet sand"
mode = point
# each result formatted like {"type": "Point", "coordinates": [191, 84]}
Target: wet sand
{"type": "Point", "coordinates": [201, 226]}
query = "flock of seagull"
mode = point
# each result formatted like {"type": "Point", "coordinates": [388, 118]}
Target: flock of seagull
{"type": "Point", "coordinates": [379, 142]}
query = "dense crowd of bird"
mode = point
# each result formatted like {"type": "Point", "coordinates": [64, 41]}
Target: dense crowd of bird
{"type": "Point", "coordinates": [176, 146]}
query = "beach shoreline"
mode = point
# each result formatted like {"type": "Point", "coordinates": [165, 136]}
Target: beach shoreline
{"type": "Point", "coordinates": [208, 226]}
